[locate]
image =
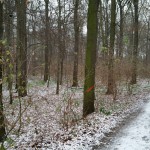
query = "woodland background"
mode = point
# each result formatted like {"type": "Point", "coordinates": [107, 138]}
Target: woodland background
{"type": "Point", "coordinates": [93, 46]}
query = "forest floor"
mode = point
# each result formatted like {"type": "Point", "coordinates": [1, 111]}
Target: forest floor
{"type": "Point", "coordinates": [46, 121]}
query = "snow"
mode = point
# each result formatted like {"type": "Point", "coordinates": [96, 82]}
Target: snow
{"type": "Point", "coordinates": [135, 136]}
{"type": "Point", "coordinates": [54, 122]}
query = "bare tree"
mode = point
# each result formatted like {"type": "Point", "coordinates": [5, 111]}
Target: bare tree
{"type": "Point", "coordinates": [59, 46]}
{"type": "Point", "coordinates": [121, 9]}
{"type": "Point", "coordinates": [46, 70]}
{"type": "Point", "coordinates": [148, 43]}
{"type": "Point", "coordinates": [9, 36]}
{"type": "Point", "coordinates": [76, 44]}
{"type": "Point", "coordinates": [135, 44]}
{"type": "Point", "coordinates": [21, 47]}
{"type": "Point", "coordinates": [110, 87]}
{"type": "Point", "coordinates": [104, 27]}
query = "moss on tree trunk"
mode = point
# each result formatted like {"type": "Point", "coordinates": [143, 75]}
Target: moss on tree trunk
{"type": "Point", "coordinates": [90, 60]}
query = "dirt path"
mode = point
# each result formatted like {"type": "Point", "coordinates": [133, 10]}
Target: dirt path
{"type": "Point", "coordinates": [134, 135]}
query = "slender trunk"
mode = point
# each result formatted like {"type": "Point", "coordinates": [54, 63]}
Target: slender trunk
{"type": "Point", "coordinates": [101, 24]}
{"type": "Point", "coordinates": [8, 26]}
{"type": "Point", "coordinates": [33, 41]}
{"type": "Point", "coordinates": [135, 45]}
{"type": "Point", "coordinates": [110, 87]}
{"type": "Point", "coordinates": [148, 45]}
{"type": "Point", "coordinates": [46, 70]}
{"type": "Point", "coordinates": [106, 34]}
{"type": "Point", "coordinates": [61, 70]}
{"type": "Point", "coordinates": [130, 48]}
{"type": "Point", "coordinates": [121, 30]}
{"type": "Point", "coordinates": [16, 73]}
{"type": "Point", "coordinates": [2, 123]}
{"type": "Point", "coordinates": [59, 48]}
{"type": "Point", "coordinates": [76, 44]}
{"type": "Point", "coordinates": [21, 47]}
{"type": "Point", "coordinates": [63, 34]}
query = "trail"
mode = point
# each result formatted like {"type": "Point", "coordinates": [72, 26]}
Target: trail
{"type": "Point", "coordinates": [133, 136]}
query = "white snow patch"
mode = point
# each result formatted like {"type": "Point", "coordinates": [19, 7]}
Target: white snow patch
{"type": "Point", "coordinates": [136, 136]}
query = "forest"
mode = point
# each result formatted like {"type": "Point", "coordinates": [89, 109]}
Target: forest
{"type": "Point", "coordinates": [71, 71]}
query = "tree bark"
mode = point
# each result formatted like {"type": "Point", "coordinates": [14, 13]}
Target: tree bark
{"type": "Point", "coordinates": [46, 70]}
{"type": "Point", "coordinates": [76, 44]}
{"type": "Point", "coordinates": [121, 29]}
{"type": "Point", "coordinates": [63, 43]}
{"type": "Point", "coordinates": [90, 60]}
{"type": "Point", "coordinates": [21, 48]}
{"type": "Point", "coordinates": [106, 29]}
{"type": "Point", "coordinates": [9, 33]}
{"type": "Point", "coordinates": [2, 123]}
{"type": "Point", "coordinates": [148, 44]}
{"type": "Point", "coordinates": [59, 47]}
{"type": "Point", "coordinates": [135, 44]}
{"type": "Point", "coordinates": [110, 87]}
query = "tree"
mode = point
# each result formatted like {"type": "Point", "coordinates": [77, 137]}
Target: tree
{"type": "Point", "coordinates": [104, 28]}
{"type": "Point", "coordinates": [110, 87]}
{"type": "Point", "coordinates": [2, 123]}
{"type": "Point", "coordinates": [121, 9]}
{"type": "Point", "coordinates": [46, 70]}
{"type": "Point", "coordinates": [131, 31]}
{"type": "Point", "coordinates": [21, 48]}
{"type": "Point", "coordinates": [147, 44]}
{"type": "Point", "coordinates": [63, 40]}
{"type": "Point", "coordinates": [59, 47]}
{"type": "Point", "coordinates": [76, 44]}
{"type": "Point", "coordinates": [9, 36]}
{"type": "Point", "coordinates": [90, 60]}
{"type": "Point", "coordinates": [135, 44]}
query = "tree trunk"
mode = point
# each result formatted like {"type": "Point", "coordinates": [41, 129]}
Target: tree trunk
{"type": "Point", "coordinates": [9, 33]}
{"type": "Point", "coordinates": [61, 69]}
{"type": "Point", "coordinates": [21, 47]}
{"type": "Point", "coordinates": [2, 123]}
{"type": "Point", "coordinates": [135, 44]}
{"type": "Point", "coordinates": [110, 87]}
{"type": "Point", "coordinates": [131, 39]}
{"type": "Point", "coordinates": [106, 29]}
{"type": "Point", "coordinates": [46, 70]}
{"type": "Point", "coordinates": [90, 60]}
{"type": "Point", "coordinates": [76, 44]}
{"type": "Point", "coordinates": [59, 48]}
{"type": "Point", "coordinates": [148, 44]}
{"type": "Point", "coordinates": [121, 30]}
{"type": "Point", "coordinates": [33, 41]}
{"type": "Point", "coordinates": [63, 44]}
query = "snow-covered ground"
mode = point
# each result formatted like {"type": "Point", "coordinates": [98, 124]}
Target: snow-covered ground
{"type": "Point", "coordinates": [134, 136]}
{"type": "Point", "coordinates": [54, 122]}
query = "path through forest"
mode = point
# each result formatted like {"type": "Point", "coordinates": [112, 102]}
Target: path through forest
{"type": "Point", "coordinates": [135, 135]}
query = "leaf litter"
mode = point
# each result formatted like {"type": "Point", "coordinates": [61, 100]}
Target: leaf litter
{"type": "Point", "coordinates": [54, 122]}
